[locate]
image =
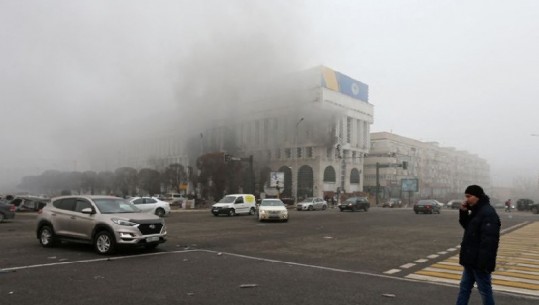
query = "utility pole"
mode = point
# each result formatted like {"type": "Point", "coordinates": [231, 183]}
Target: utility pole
{"type": "Point", "coordinates": [252, 186]}
{"type": "Point", "coordinates": [404, 165]}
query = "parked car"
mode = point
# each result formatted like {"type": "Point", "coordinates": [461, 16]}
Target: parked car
{"type": "Point", "coordinates": [151, 205]}
{"type": "Point", "coordinates": [312, 203]}
{"type": "Point", "coordinates": [454, 204]}
{"type": "Point", "coordinates": [427, 206]}
{"type": "Point", "coordinates": [235, 204]}
{"type": "Point", "coordinates": [272, 209]}
{"type": "Point", "coordinates": [392, 203]}
{"type": "Point", "coordinates": [524, 204]}
{"type": "Point", "coordinates": [174, 198]}
{"type": "Point", "coordinates": [355, 204]}
{"type": "Point", "coordinates": [7, 211]}
{"type": "Point", "coordinates": [28, 203]}
{"type": "Point", "coordinates": [107, 222]}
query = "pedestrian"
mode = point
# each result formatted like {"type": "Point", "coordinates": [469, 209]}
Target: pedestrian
{"type": "Point", "coordinates": [479, 245]}
{"type": "Point", "coordinates": [508, 205]}
{"type": "Point", "coordinates": [332, 201]}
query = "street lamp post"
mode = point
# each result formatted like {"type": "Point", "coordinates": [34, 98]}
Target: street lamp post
{"type": "Point", "coordinates": [296, 162]}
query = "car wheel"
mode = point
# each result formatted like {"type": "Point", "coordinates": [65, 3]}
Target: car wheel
{"type": "Point", "coordinates": [2, 217]}
{"type": "Point", "coordinates": [353, 209]}
{"type": "Point", "coordinates": [46, 236]}
{"type": "Point", "coordinates": [324, 207]}
{"type": "Point", "coordinates": [252, 211]}
{"type": "Point", "coordinates": [341, 210]}
{"type": "Point", "coordinates": [535, 210]}
{"type": "Point", "coordinates": [160, 212]}
{"type": "Point", "coordinates": [215, 214]}
{"type": "Point", "coordinates": [416, 212]}
{"type": "Point", "coordinates": [311, 208]}
{"type": "Point", "coordinates": [366, 209]}
{"type": "Point", "coordinates": [231, 212]}
{"type": "Point", "coordinates": [104, 242]}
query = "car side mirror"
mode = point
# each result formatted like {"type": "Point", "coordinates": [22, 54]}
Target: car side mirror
{"type": "Point", "coordinates": [88, 211]}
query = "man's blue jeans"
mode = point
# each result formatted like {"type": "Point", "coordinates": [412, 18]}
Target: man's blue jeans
{"type": "Point", "coordinates": [483, 280]}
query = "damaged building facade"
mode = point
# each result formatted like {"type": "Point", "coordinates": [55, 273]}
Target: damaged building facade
{"type": "Point", "coordinates": [316, 134]}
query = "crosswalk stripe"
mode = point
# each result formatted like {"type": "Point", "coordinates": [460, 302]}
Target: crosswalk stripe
{"type": "Point", "coordinates": [517, 267]}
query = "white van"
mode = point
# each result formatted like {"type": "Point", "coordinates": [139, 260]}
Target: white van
{"type": "Point", "coordinates": [235, 204]}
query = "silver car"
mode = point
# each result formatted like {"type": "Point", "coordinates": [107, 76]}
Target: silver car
{"type": "Point", "coordinates": [104, 221]}
{"type": "Point", "coordinates": [312, 203]}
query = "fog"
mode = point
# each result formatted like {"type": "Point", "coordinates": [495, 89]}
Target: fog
{"type": "Point", "coordinates": [78, 77]}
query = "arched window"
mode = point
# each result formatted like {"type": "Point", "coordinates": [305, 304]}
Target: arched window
{"type": "Point", "coordinates": [305, 182]}
{"type": "Point", "coordinates": [354, 176]}
{"type": "Point", "coordinates": [329, 174]}
{"type": "Point", "coordinates": [287, 190]}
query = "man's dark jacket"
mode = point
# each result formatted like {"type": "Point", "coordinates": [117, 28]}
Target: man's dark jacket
{"type": "Point", "coordinates": [481, 236]}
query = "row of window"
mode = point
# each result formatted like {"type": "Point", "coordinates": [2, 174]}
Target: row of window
{"type": "Point", "coordinates": [331, 177]}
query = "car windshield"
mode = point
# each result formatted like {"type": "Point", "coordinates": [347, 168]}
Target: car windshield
{"type": "Point", "coordinates": [310, 199]}
{"type": "Point", "coordinates": [424, 202]}
{"type": "Point", "coordinates": [113, 206]}
{"type": "Point", "coordinates": [272, 203]}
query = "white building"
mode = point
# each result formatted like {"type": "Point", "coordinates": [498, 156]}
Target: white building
{"type": "Point", "coordinates": [443, 173]}
{"type": "Point", "coordinates": [315, 131]}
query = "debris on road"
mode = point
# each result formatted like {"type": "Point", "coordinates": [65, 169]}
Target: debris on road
{"type": "Point", "coordinates": [248, 285]}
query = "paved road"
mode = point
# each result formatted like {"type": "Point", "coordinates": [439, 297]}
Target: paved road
{"type": "Point", "coordinates": [320, 257]}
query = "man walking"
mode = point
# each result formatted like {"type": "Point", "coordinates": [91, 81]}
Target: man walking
{"type": "Point", "coordinates": [479, 245]}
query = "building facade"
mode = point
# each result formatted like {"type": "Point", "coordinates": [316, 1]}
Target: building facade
{"type": "Point", "coordinates": [442, 173]}
{"type": "Point", "coordinates": [316, 133]}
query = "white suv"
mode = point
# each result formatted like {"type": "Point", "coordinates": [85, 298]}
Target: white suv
{"type": "Point", "coordinates": [104, 221]}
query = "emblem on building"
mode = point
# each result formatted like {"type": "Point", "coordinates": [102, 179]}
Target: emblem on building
{"type": "Point", "coordinates": [355, 88]}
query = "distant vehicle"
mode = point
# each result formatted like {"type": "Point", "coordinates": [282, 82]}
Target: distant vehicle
{"type": "Point", "coordinates": [312, 203]}
{"type": "Point", "coordinates": [355, 204]}
{"type": "Point", "coordinates": [7, 211]}
{"type": "Point", "coordinates": [454, 204]}
{"type": "Point", "coordinates": [29, 203]}
{"type": "Point", "coordinates": [151, 205]}
{"type": "Point", "coordinates": [524, 204]}
{"type": "Point", "coordinates": [106, 222]}
{"type": "Point", "coordinates": [272, 209]}
{"type": "Point", "coordinates": [174, 198]}
{"type": "Point", "coordinates": [534, 208]}
{"type": "Point", "coordinates": [441, 205]}
{"type": "Point", "coordinates": [427, 206]}
{"type": "Point", "coordinates": [392, 203]}
{"type": "Point", "coordinates": [235, 204]}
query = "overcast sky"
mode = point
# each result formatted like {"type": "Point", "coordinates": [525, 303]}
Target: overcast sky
{"type": "Point", "coordinates": [461, 73]}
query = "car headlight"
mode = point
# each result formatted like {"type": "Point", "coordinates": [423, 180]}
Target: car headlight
{"type": "Point", "coordinates": [123, 222]}
{"type": "Point", "coordinates": [263, 212]}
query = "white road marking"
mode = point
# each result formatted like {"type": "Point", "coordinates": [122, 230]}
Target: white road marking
{"type": "Point", "coordinates": [421, 260]}
{"type": "Point", "coordinates": [433, 256]}
{"type": "Point", "coordinates": [392, 271]}
{"type": "Point", "coordinates": [406, 266]}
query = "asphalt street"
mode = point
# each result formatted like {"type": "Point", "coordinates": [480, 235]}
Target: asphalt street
{"type": "Point", "coordinates": [318, 257]}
